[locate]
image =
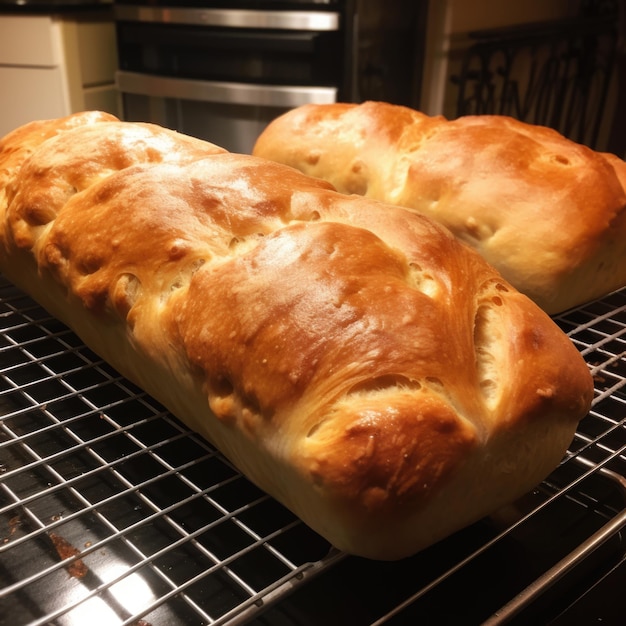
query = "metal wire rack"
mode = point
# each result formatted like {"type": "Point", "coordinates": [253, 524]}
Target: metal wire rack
{"type": "Point", "coordinates": [113, 512]}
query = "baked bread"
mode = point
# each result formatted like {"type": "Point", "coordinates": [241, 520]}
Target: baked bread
{"type": "Point", "coordinates": [548, 213]}
{"type": "Point", "coordinates": [356, 362]}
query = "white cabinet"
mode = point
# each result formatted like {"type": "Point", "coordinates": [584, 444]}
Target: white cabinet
{"type": "Point", "coordinates": [51, 66]}
{"type": "Point", "coordinates": [29, 41]}
{"type": "Point", "coordinates": [29, 94]}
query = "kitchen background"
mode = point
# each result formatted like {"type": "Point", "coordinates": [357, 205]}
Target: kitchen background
{"type": "Point", "coordinates": [553, 62]}
{"type": "Point", "coordinates": [113, 513]}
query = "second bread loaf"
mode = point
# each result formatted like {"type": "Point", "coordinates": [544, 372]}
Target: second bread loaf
{"type": "Point", "coordinates": [548, 213]}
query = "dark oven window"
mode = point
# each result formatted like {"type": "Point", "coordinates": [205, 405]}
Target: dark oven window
{"type": "Point", "coordinates": [268, 56]}
{"type": "Point", "coordinates": [278, 5]}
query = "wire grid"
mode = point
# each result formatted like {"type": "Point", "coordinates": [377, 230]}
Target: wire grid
{"type": "Point", "coordinates": [539, 555]}
{"type": "Point", "coordinates": [599, 445]}
{"type": "Point", "coordinates": [111, 507]}
{"type": "Point", "coordinates": [570, 528]}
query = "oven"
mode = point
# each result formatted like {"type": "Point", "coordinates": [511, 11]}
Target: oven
{"type": "Point", "coordinates": [223, 70]}
{"type": "Point", "coordinates": [113, 512]}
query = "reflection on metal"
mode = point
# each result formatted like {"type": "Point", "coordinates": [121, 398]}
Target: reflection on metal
{"type": "Point", "coordinates": [222, 91]}
{"type": "Point", "coordinates": [231, 18]}
{"type": "Point", "coordinates": [556, 74]}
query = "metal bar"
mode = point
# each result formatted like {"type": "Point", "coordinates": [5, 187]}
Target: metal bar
{"type": "Point", "coordinates": [597, 539]}
{"type": "Point", "coordinates": [287, 96]}
{"type": "Point", "coordinates": [231, 18]}
{"type": "Point", "coordinates": [552, 576]}
{"type": "Point", "coordinates": [542, 584]}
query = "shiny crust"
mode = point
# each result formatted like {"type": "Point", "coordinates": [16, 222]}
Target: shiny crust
{"type": "Point", "coordinates": [361, 365]}
{"type": "Point", "coordinates": [548, 213]}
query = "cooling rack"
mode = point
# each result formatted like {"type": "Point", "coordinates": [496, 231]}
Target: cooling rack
{"type": "Point", "coordinates": [113, 512]}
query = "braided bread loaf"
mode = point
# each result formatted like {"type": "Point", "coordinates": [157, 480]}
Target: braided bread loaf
{"type": "Point", "coordinates": [360, 365]}
{"type": "Point", "coordinates": [547, 213]}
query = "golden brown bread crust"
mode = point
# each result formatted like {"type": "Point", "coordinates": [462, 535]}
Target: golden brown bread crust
{"type": "Point", "coordinates": [548, 213]}
{"type": "Point", "coordinates": [360, 365]}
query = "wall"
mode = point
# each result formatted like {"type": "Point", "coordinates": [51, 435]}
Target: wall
{"type": "Point", "coordinates": [450, 22]}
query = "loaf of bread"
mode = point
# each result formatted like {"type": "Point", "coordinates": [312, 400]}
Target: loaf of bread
{"type": "Point", "coordinates": [547, 213]}
{"type": "Point", "coordinates": [356, 362]}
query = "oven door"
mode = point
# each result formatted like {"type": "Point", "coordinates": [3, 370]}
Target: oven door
{"type": "Point", "coordinates": [224, 74]}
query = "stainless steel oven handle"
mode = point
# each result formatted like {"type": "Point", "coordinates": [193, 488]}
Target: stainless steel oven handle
{"type": "Point", "coordinates": [287, 96]}
{"type": "Point", "coordinates": [231, 18]}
